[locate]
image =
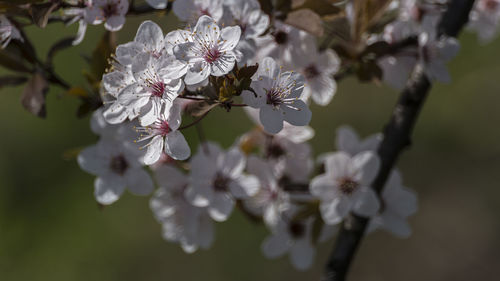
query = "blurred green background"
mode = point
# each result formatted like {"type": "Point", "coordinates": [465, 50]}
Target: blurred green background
{"type": "Point", "coordinates": [52, 229]}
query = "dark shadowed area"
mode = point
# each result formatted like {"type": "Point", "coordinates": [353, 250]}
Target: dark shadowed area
{"type": "Point", "coordinates": [52, 229]}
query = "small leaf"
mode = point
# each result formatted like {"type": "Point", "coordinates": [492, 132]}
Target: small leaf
{"type": "Point", "coordinates": [41, 12]}
{"type": "Point", "coordinates": [33, 98]}
{"type": "Point", "coordinates": [12, 80]}
{"type": "Point", "coordinates": [247, 71]}
{"type": "Point", "coordinates": [306, 20]}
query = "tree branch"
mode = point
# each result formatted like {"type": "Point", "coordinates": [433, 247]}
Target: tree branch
{"type": "Point", "coordinates": [396, 138]}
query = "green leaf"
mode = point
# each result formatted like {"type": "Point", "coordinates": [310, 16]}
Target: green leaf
{"type": "Point", "coordinates": [99, 59]}
{"type": "Point", "coordinates": [33, 98]}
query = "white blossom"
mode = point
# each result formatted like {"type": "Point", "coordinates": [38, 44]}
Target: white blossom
{"type": "Point", "coordinates": [318, 70]}
{"type": "Point", "coordinates": [183, 223]}
{"type": "Point", "coordinates": [190, 10]}
{"type": "Point", "coordinates": [485, 18]}
{"type": "Point", "coordinates": [8, 32]}
{"type": "Point", "coordinates": [345, 186]}
{"type": "Point", "coordinates": [152, 90]}
{"type": "Point", "coordinates": [208, 50]}
{"type": "Point", "coordinates": [115, 161]}
{"type": "Point", "coordinates": [217, 180]}
{"type": "Point", "coordinates": [399, 203]}
{"type": "Point", "coordinates": [164, 136]}
{"type": "Point", "coordinates": [348, 141]}
{"type": "Point", "coordinates": [435, 53]}
{"type": "Point", "coordinates": [112, 12]}
{"type": "Point", "coordinates": [277, 96]}
{"type": "Point", "coordinates": [271, 200]}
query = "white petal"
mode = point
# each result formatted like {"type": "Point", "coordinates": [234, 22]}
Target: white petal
{"type": "Point", "coordinates": [221, 206]}
{"type": "Point", "coordinates": [150, 34]}
{"type": "Point", "coordinates": [367, 164]}
{"type": "Point", "coordinates": [337, 164]}
{"type": "Point", "coordinates": [233, 162]}
{"type": "Point", "coordinates": [335, 211]}
{"type": "Point", "coordinates": [298, 114]}
{"type": "Point", "coordinates": [271, 119]}
{"type": "Point", "coordinates": [323, 186]}
{"type": "Point", "coordinates": [302, 254]}
{"type": "Point", "coordinates": [114, 23]}
{"type": "Point", "coordinates": [154, 150]}
{"type": "Point", "coordinates": [176, 146]}
{"type": "Point", "coordinates": [139, 182]}
{"type": "Point", "coordinates": [157, 4]}
{"type": "Point", "coordinates": [367, 203]}
{"type": "Point", "coordinates": [275, 246]}
{"type": "Point", "coordinates": [91, 160]}
{"type": "Point", "coordinates": [108, 189]}
{"type": "Point", "coordinates": [230, 36]}
{"type": "Point", "coordinates": [199, 195]}
{"type": "Point", "coordinates": [244, 186]}
{"type": "Point", "coordinates": [197, 73]}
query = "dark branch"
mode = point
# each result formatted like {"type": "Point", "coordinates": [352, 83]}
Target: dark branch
{"type": "Point", "coordinates": [397, 135]}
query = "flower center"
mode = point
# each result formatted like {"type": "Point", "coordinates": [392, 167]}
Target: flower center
{"type": "Point", "coordinates": [297, 229]}
{"type": "Point", "coordinates": [280, 37]}
{"type": "Point", "coordinates": [212, 54]}
{"type": "Point", "coordinates": [157, 89]}
{"type": "Point", "coordinates": [109, 10]}
{"type": "Point", "coordinates": [491, 5]}
{"type": "Point", "coordinates": [275, 150]}
{"type": "Point", "coordinates": [348, 186]}
{"type": "Point", "coordinates": [118, 164]}
{"type": "Point", "coordinates": [221, 183]}
{"type": "Point", "coordinates": [275, 96]}
{"type": "Point", "coordinates": [162, 127]}
{"type": "Point", "coordinates": [311, 71]}
{"type": "Point", "coordinates": [204, 12]}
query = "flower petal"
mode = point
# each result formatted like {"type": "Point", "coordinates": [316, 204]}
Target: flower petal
{"type": "Point", "coordinates": [176, 146]}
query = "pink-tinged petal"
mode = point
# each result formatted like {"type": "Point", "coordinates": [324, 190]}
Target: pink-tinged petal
{"type": "Point", "coordinates": [114, 23]}
{"type": "Point", "coordinates": [271, 119]}
{"type": "Point", "coordinates": [151, 35]}
{"type": "Point", "coordinates": [230, 36]}
{"type": "Point", "coordinates": [366, 203]}
{"type": "Point", "coordinates": [154, 150]}
{"type": "Point", "coordinates": [336, 210]}
{"type": "Point", "coordinates": [367, 165]}
{"type": "Point", "coordinates": [302, 254]}
{"type": "Point", "coordinates": [176, 146]}
{"type": "Point", "coordinates": [244, 187]}
{"type": "Point", "coordinates": [139, 182]}
{"type": "Point", "coordinates": [92, 161]}
{"type": "Point", "coordinates": [275, 246]}
{"type": "Point", "coordinates": [221, 206]}
{"type": "Point", "coordinates": [297, 114]}
{"type": "Point", "coordinates": [108, 189]}
{"type": "Point", "coordinates": [197, 73]}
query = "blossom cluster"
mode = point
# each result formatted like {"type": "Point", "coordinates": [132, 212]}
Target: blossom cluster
{"type": "Point", "coordinates": [232, 54]}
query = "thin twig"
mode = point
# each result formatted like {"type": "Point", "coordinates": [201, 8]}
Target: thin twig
{"type": "Point", "coordinates": [396, 138]}
{"type": "Point", "coordinates": [195, 121]}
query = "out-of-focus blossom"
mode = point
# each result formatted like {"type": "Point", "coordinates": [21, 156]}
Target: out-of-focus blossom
{"type": "Point", "coordinates": [190, 10]}
{"type": "Point", "coordinates": [8, 32]}
{"type": "Point", "coordinates": [485, 18]}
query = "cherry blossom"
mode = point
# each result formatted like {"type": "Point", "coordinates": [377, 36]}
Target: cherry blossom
{"type": "Point", "coordinates": [164, 136]}
{"type": "Point", "coordinates": [485, 19]}
{"type": "Point", "coordinates": [208, 50]}
{"type": "Point", "coordinates": [348, 141]}
{"type": "Point", "coordinates": [8, 32]}
{"type": "Point", "coordinates": [399, 203]}
{"type": "Point", "coordinates": [277, 96]}
{"type": "Point", "coordinates": [182, 222]}
{"type": "Point", "coordinates": [152, 91]}
{"type": "Point", "coordinates": [434, 53]}
{"type": "Point", "coordinates": [190, 10]}
{"type": "Point", "coordinates": [318, 70]}
{"type": "Point", "coordinates": [217, 180]}
{"type": "Point", "coordinates": [112, 12]}
{"type": "Point", "coordinates": [271, 200]}
{"type": "Point", "coordinates": [345, 186]}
